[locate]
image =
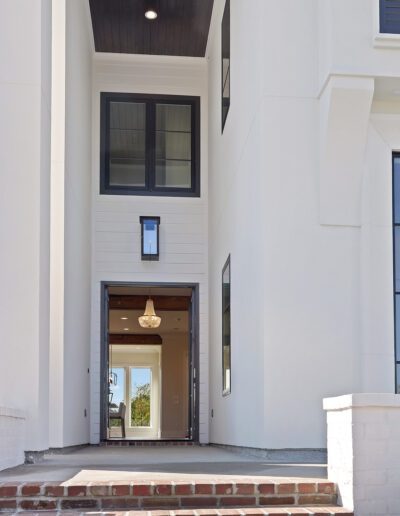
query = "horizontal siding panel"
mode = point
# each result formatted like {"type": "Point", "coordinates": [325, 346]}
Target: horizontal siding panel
{"type": "Point", "coordinates": [144, 268]}
{"type": "Point", "coordinates": [129, 246]}
{"type": "Point", "coordinates": [132, 227]}
{"type": "Point", "coordinates": [178, 238]}
{"type": "Point", "coordinates": [138, 205]}
{"type": "Point", "coordinates": [136, 258]}
{"type": "Point", "coordinates": [166, 220]}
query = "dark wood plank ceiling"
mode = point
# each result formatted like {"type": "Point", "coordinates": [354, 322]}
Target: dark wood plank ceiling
{"type": "Point", "coordinates": [181, 28]}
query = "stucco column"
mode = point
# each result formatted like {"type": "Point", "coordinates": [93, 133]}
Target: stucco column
{"type": "Point", "coordinates": [25, 90]}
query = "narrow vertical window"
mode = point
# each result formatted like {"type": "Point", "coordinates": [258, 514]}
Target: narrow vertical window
{"type": "Point", "coordinates": [226, 328]}
{"type": "Point", "coordinates": [226, 62]}
{"type": "Point", "coordinates": [396, 260]}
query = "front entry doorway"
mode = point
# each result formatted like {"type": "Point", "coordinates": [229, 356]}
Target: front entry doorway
{"type": "Point", "coordinates": [149, 376]}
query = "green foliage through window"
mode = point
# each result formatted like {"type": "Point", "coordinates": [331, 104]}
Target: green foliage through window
{"type": "Point", "coordinates": [140, 406]}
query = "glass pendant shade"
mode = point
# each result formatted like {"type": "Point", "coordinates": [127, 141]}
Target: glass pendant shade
{"type": "Point", "coordinates": [149, 319]}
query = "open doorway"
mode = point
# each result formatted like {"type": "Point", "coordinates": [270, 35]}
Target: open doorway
{"type": "Point", "coordinates": [149, 375]}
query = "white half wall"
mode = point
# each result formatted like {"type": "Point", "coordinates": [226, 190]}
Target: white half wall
{"type": "Point", "coordinates": [12, 437]}
{"type": "Point", "coordinates": [364, 451]}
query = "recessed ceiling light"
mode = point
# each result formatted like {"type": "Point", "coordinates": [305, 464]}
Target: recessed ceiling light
{"type": "Point", "coordinates": [124, 318]}
{"type": "Point", "coordinates": [151, 14]}
{"type": "Point", "coordinates": [126, 329]}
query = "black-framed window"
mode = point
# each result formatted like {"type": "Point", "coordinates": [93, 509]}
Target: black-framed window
{"type": "Point", "coordinates": [226, 328]}
{"type": "Point", "coordinates": [150, 145]}
{"type": "Point", "coordinates": [389, 16]}
{"type": "Point", "coordinates": [226, 62]}
{"type": "Point", "coordinates": [396, 262]}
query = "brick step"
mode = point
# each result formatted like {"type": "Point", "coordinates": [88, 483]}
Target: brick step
{"type": "Point", "coordinates": [264, 511]}
{"type": "Point", "coordinates": [146, 495]}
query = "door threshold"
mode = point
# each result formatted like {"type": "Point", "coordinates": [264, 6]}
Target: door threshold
{"type": "Point", "coordinates": [148, 442]}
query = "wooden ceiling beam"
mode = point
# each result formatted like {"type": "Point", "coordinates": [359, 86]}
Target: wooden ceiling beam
{"type": "Point", "coordinates": [164, 303]}
{"type": "Point", "coordinates": [134, 338]}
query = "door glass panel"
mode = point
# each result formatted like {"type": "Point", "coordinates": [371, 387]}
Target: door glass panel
{"type": "Point", "coordinates": [173, 146]}
{"type": "Point", "coordinates": [140, 396]}
{"type": "Point", "coordinates": [127, 144]}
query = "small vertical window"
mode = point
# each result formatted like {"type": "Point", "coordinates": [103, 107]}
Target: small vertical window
{"type": "Point", "coordinates": [150, 238]}
{"type": "Point", "coordinates": [226, 62]}
{"type": "Point", "coordinates": [226, 328]}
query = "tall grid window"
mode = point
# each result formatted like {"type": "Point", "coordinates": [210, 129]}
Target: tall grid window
{"type": "Point", "coordinates": [226, 328]}
{"type": "Point", "coordinates": [396, 260]}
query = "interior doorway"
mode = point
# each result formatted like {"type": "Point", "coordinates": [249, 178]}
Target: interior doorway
{"type": "Point", "coordinates": [149, 375]}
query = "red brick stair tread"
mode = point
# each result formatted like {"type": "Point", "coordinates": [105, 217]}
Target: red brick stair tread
{"type": "Point", "coordinates": [264, 511]}
{"type": "Point", "coordinates": [204, 497]}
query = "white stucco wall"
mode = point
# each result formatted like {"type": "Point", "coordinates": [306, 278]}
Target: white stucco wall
{"type": "Point", "coordinates": [24, 216]}
{"type": "Point", "coordinates": [312, 311]}
{"type": "Point", "coordinates": [116, 227]}
{"type": "Point", "coordinates": [71, 216]}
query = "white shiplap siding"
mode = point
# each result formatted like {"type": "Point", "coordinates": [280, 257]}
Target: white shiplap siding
{"type": "Point", "coordinates": [115, 219]}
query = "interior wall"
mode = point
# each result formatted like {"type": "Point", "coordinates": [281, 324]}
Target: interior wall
{"type": "Point", "coordinates": [175, 386]}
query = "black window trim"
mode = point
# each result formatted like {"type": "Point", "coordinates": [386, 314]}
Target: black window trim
{"type": "Point", "coordinates": [226, 392]}
{"type": "Point", "coordinates": [150, 189]}
{"type": "Point", "coordinates": [227, 12]}
{"type": "Point", "coordinates": [395, 155]}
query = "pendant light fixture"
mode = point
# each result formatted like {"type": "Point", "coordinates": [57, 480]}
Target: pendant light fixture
{"type": "Point", "coordinates": [149, 319]}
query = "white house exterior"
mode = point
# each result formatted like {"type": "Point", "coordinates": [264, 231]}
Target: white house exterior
{"type": "Point", "coordinates": [296, 189]}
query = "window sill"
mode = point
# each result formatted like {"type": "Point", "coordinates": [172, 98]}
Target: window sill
{"type": "Point", "coordinates": [383, 40]}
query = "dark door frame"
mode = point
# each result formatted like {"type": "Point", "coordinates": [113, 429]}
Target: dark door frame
{"type": "Point", "coordinates": [194, 362]}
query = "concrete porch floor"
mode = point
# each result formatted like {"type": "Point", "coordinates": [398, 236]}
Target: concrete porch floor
{"type": "Point", "coordinates": [91, 464]}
